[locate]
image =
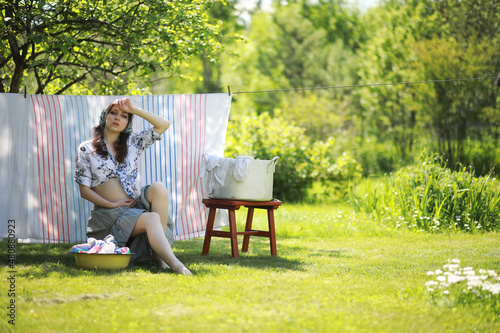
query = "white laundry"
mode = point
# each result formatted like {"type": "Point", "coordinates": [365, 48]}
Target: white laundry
{"type": "Point", "coordinates": [109, 245]}
{"type": "Point", "coordinates": [214, 169]}
{"type": "Point", "coordinates": [241, 166]}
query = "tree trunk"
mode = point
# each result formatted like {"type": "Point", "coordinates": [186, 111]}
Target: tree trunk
{"type": "Point", "coordinates": [17, 78]}
{"type": "Point", "coordinates": [19, 61]}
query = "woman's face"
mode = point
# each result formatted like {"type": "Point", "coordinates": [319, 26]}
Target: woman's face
{"type": "Point", "coordinates": [116, 120]}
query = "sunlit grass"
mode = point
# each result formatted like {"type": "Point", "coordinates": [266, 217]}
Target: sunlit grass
{"type": "Point", "coordinates": [333, 273]}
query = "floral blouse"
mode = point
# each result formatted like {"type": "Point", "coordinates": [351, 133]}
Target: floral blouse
{"type": "Point", "coordinates": [93, 170]}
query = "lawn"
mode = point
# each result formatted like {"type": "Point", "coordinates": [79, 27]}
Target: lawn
{"type": "Point", "coordinates": [334, 273]}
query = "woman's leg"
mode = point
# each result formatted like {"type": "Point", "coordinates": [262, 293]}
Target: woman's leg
{"type": "Point", "coordinates": [157, 195]}
{"type": "Point", "coordinates": [150, 224]}
{"type": "Point", "coordinates": [159, 199]}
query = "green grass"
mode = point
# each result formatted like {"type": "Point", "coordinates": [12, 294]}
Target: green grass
{"type": "Point", "coordinates": [334, 273]}
{"type": "Point", "coordinates": [430, 197]}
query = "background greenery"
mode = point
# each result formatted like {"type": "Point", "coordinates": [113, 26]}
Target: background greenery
{"type": "Point", "coordinates": [359, 123]}
{"type": "Point", "coordinates": [319, 83]}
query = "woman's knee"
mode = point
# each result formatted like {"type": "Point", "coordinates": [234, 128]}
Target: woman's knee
{"type": "Point", "coordinates": [147, 221]}
{"type": "Point", "coordinates": [157, 191]}
{"type": "Point", "coordinates": [150, 219]}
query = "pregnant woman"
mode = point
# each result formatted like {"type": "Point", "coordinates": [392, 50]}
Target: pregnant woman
{"type": "Point", "coordinates": [106, 171]}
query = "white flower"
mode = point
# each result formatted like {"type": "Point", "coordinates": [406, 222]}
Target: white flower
{"type": "Point", "coordinates": [452, 278]}
{"type": "Point", "coordinates": [473, 278]}
{"type": "Point", "coordinates": [443, 285]}
{"type": "Point", "coordinates": [491, 273]}
{"type": "Point", "coordinates": [452, 273]}
{"type": "Point", "coordinates": [474, 283]}
{"type": "Point", "coordinates": [495, 289]}
{"type": "Point", "coordinates": [486, 285]}
{"type": "Point", "coordinates": [452, 267]}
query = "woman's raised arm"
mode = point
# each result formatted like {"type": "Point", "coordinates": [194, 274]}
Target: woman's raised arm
{"type": "Point", "coordinates": [160, 124]}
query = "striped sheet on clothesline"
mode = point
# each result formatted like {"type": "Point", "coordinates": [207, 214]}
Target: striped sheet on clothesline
{"type": "Point", "coordinates": [58, 124]}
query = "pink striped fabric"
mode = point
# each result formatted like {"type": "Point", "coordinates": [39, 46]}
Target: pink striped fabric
{"type": "Point", "coordinates": [49, 170]}
{"type": "Point", "coordinates": [192, 138]}
{"type": "Point", "coordinates": [57, 213]}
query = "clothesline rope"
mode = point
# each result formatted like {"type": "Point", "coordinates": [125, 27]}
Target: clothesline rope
{"type": "Point", "coordinates": [361, 85]}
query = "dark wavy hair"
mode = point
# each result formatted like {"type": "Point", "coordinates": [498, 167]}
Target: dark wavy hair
{"type": "Point", "coordinates": [120, 145]}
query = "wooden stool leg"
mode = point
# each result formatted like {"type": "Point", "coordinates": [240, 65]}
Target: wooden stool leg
{"type": "Point", "coordinates": [248, 227]}
{"type": "Point", "coordinates": [234, 235]}
{"type": "Point", "coordinates": [272, 237]}
{"type": "Point", "coordinates": [208, 232]}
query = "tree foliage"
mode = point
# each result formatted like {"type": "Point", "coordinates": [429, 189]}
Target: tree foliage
{"type": "Point", "coordinates": [325, 43]}
{"type": "Point", "coordinates": [302, 160]}
{"type": "Point", "coordinates": [456, 111]}
{"type": "Point", "coordinates": [101, 45]}
{"type": "Point", "coordinates": [389, 111]}
{"type": "Point", "coordinates": [427, 40]}
{"type": "Point", "coordinates": [116, 46]}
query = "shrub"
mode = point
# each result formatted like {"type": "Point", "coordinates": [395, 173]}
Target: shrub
{"type": "Point", "coordinates": [427, 196]}
{"type": "Point", "coordinates": [378, 158]}
{"type": "Point", "coordinates": [264, 137]}
{"type": "Point", "coordinates": [301, 160]}
{"type": "Point", "coordinates": [482, 156]}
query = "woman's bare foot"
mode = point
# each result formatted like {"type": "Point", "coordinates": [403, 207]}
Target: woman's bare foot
{"type": "Point", "coordinates": [161, 264]}
{"type": "Point", "coordinates": [175, 265]}
{"type": "Point", "coordinates": [181, 270]}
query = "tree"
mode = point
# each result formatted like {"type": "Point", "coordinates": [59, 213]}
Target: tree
{"type": "Point", "coordinates": [389, 111]}
{"type": "Point", "coordinates": [230, 31]}
{"type": "Point", "coordinates": [456, 108]}
{"type": "Point", "coordinates": [431, 40]}
{"type": "Point", "coordinates": [470, 20]}
{"type": "Point", "coordinates": [469, 46]}
{"type": "Point", "coordinates": [103, 46]}
{"type": "Point", "coordinates": [286, 51]}
{"type": "Point", "coordinates": [340, 22]}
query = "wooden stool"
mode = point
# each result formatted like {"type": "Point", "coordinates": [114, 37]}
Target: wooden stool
{"type": "Point", "coordinates": [232, 206]}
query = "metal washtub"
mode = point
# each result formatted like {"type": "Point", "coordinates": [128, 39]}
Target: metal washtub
{"type": "Point", "coordinates": [258, 186]}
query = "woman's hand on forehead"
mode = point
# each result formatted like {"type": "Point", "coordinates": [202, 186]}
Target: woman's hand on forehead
{"type": "Point", "coordinates": [124, 104]}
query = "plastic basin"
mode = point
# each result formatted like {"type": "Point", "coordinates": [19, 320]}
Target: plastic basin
{"type": "Point", "coordinates": [102, 261]}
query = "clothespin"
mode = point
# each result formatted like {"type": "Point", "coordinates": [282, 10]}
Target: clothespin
{"type": "Point", "coordinates": [229, 90]}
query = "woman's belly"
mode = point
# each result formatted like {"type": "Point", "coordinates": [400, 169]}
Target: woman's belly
{"type": "Point", "coordinates": [111, 190]}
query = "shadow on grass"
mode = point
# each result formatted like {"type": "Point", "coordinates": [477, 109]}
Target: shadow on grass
{"type": "Point", "coordinates": [35, 254]}
{"type": "Point", "coordinates": [258, 256]}
{"type": "Point", "coordinates": [42, 260]}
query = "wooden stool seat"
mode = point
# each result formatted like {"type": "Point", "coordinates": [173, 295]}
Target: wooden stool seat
{"type": "Point", "coordinates": [232, 206]}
